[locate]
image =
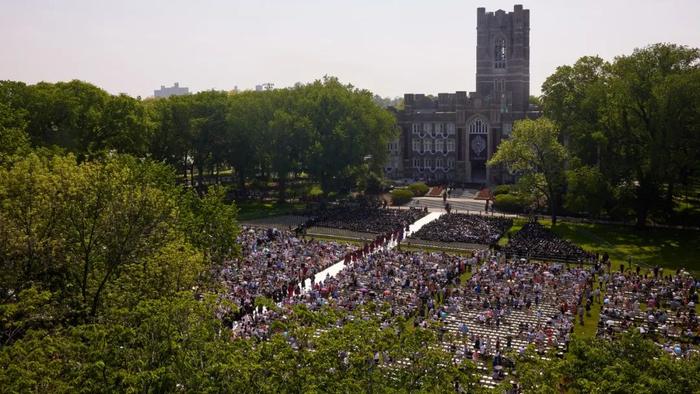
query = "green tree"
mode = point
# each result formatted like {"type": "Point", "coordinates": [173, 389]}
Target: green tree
{"type": "Point", "coordinates": [572, 98]}
{"type": "Point", "coordinates": [247, 122]}
{"type": "Point", "coordinates": [211, 224]}
{"type": "Point", "coordinates": [67, 114]}
{"type": "Point", "coordinates": [536, 156]}
{"type": "Point", "coordinates": [586, 191]}
{"type": "Point", "coordinates": [124, 127]}
{"type": "Point", "coordinates": [78, 116]}
{"type": "Point", "coordinates": [630, 364]}
{"type": "Point", "coordinates": [646, 129]}
{"type": "Point", "coordinates": [170, 138]}
{"type": "Point", "coordinates": [352, 131]}
{"type": "Point", "coordinates": [290, 137]}
{"type": "Point", "coordinates": [14, 140]}
{"type": "Point", "coordinates": [208, 111]}
{"type": "Point", "coordinates": [30, 215]}
{"type": "Point", "coordinates": [75, 227]}
{"type": "Point", "coordinates": [635, 119]}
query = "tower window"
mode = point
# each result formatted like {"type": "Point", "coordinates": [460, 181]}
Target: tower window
{"type": "Point", "coordinates": [478, 126]}
{"type": "Point", "coordinates": [500, 53]}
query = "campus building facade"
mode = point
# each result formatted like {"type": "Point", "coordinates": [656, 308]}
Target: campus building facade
{"type": "Point", "coordinates": [449, 138]}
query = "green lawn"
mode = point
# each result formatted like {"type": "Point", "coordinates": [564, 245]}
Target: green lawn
{"type": "Point", "coordinates": [335, 239]}
{"type": "Point", "coordinates": [249, 210]}
{"type": "Point", "coordinates": [666, 247]}
{"type": "Point", "coordinates": [590, 321]}
{"type": "Point", "coordinates": [517, 225]}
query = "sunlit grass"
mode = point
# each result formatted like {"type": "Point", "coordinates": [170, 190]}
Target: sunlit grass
{"type": "Point", "coordinates": [249, 210]}
{"type": "Point", "coordinates": [668, 248]}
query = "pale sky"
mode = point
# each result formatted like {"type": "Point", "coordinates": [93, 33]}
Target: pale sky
{"type": "Point", "coordinates": [388, 47]}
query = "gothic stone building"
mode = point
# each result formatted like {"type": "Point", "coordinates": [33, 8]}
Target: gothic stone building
{"type": "Point", "coordinates": [450, 137]}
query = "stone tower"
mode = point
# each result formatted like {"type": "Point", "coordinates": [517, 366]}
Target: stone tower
{"type": "Point", "coordinates": [450, 138]}
{"type": "Point", "coordinates": [503, 59]}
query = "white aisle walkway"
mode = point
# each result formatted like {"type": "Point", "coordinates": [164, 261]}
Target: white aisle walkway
{"type": "Point", "coordinates": [337, 267]}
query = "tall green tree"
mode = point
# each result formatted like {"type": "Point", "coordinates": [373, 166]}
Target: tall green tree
{"type": "Point", "coordinates": [635, 119]}
{"type": "Point", "coordinates": [66, 114]}
{"type": "Point", "coordinates": [572, 98]}
{"type": "Point", "coordinates": [536, 156]}
{"type": "Point", "coordinates": [125, 127]}
{"type": "Point", "coordinates": [290, 137]}
{"type": "Point", "coordinates": [208, 111]}
{"type": "Point", "coordinates": [630, 364]}
{"type": "Point", "coordinates": [248, 118]}
{"type": "Point", "coordinates": [646, 129]}
{"type": "Point", "coordinates": [169, 141]}
{"type": "Point", "coordinates": [352, 131]}
{"type": "Point", "coordinates": [76, 227]}
{"type": "Point", "coordinates": [210, 224]}
{"type": "Point", "coordinates": [14, 139]}
{"type": "Point", "coordinates": [79, 117]}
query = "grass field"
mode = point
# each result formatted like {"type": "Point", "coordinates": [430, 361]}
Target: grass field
{"type": "Point", "coordinates": [250, 210]}
{"type": "Point", "coordinates": [669, 248]}
{"type": "Point", "coordinates": [664, 247]}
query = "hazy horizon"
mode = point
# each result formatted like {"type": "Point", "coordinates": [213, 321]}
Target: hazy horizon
{"type": "Point", "coordinates": [388, 47]}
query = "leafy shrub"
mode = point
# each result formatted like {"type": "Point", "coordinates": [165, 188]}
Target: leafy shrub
{"type": "Point", "coordinates": [418, 189]}
{"type": "Point", "coordinates": [509, 203]}
{"type": "Point", "coordinates": [401, 196]}
{"type": "Point", "coordinates": [315, 191]}
{"type": "Point", "coordinates": [501, 189]}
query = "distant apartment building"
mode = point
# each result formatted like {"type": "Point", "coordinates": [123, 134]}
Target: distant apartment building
{"type": "Point", "coordinates": [264, 86]}
{"type": "Point", "coordinates": [175, 90]}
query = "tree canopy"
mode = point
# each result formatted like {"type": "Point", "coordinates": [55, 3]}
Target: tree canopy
{"type": "Point", "coordinates": [634, 122]}
{"type": "Point", "coordinates": [535, 155]}
{"type": "Point", "coordinates": [325, 129]}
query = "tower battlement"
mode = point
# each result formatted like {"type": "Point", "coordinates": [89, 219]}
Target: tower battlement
{"type": "Point", "coordinates": [519, 15]}
{"type": "Point", "coordinates": [503, 57]}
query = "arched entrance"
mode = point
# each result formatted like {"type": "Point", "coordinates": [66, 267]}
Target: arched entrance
{"type": "Point", "coordinates": [477, 147]}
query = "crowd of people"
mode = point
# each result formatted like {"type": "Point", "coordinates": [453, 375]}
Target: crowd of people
{"type": "Point", "coordinates": [405, 282]}
{"type": "Point", "coordinates": [366, 219]}
{"type": "Point", "coordinates": [274, 264]}
{"type": "Point", "coordinates": [508, 305]}
{"type": "Point", "coordinates": [280, 271]}
{"type": "Point", "coordinates": [458, 227]}
{"type": "Point", "coordinates": [661, 307]}
{"type": "Point", "coordinates": [537, 242]}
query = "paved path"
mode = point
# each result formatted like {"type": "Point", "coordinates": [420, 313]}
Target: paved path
{"type": "Point", "coordinates": [337, 267]}
{"type": "Point", "coordinates": [462, 205]}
